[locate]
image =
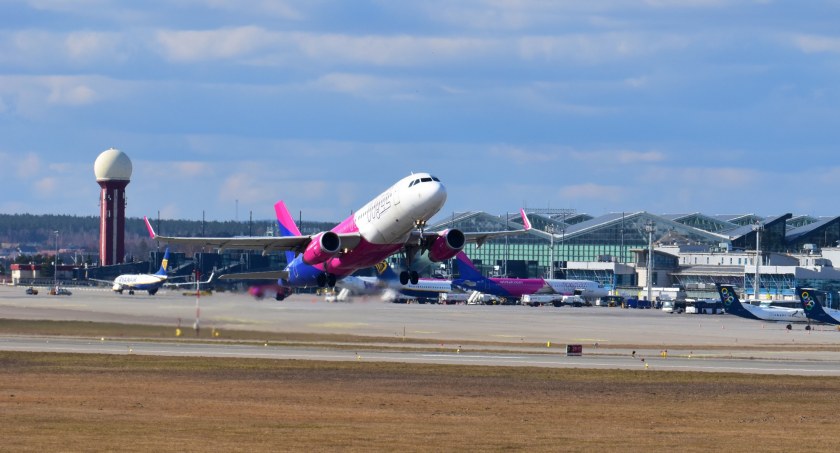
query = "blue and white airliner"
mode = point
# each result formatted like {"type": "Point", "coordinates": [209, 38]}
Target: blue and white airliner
{"type": "Point", "coordinates": [146, 282]}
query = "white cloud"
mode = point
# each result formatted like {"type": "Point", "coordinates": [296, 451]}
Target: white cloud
{"type": "Point", "coordinates": [366, 86]}
{"type": "Point", "coordinates": [30, 96]}
{"type": "Point", "coordinates": [192, 169]}
{"type": "Point", "coordinates": [597, 48]}
{"type": "Point", "coordinates": [522, 156]}
{"type": "Point", "coordinates": [190, 46]}
{"type": "Point", "coordinates": [39, 48]}
{"type": "Point", "coordinates": [817, 44]}
{"type": "Point", "coordinates": [622, 157]}
{"type": "Point", "coordinates": [45, 187]}
{"type": "Point", "coordinates": [27, 166]}
{"type": "Point", "coordinates": [87, 45]}
{"type": "Point", "coordinates": [273, 8]}
{"type": "Point", "coordinates": [401, 50]}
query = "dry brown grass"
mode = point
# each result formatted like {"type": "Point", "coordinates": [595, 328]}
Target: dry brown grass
{"type": "Point", "coordinates": [68, 402]}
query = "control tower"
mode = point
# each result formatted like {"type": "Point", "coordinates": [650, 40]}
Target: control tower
{"type": "Point", "coordinates": [113, 173]}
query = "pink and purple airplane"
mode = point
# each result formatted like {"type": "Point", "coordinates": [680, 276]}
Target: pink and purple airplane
{"type": "Point", "coordinates": [470, 279]}
{"type": "Point", "coordinates": [392, 222]}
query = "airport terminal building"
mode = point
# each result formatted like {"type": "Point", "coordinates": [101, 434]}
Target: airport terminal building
{"type": "Point", "coordinates": [691, 251]}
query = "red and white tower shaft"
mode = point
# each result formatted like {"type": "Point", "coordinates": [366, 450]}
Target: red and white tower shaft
{"type": "Point", "coordinates": [112, 222]}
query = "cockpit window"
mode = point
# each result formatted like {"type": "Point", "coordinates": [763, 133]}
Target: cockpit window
{"type": "Point", "coordinates": [425, 179]}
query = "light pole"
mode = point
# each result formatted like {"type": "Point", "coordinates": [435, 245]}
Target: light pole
{"type": "Point", "coordinates": [756, 283]}
{"type": "Point", "coordinates": [55, 263]}
{"type": "Point", "coordinates": [650, 228]}
{"type": "Point", "coordinates": [550, 230]}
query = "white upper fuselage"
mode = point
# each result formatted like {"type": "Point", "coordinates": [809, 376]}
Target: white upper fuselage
{"type": "Point", "coordinates": [585, 288]}
{"type": "Point", "coordinates": [392, 215]}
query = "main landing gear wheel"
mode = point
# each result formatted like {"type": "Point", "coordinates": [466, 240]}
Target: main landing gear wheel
{"type": "Point", "coordinates": [412, 277]}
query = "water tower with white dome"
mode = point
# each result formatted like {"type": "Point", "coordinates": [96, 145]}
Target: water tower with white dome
{"type": "Point", "coordinates": [113, 173]}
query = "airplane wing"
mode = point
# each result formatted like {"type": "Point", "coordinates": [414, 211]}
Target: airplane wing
{"type": "Point", "coordinates": [188, 284]}
{"type": "Point", "coordinates": [264, 243]}
{"type": "Point", "coordinates": [267, 275]}
{"type": "Point", "coordinates": [479, 238]}
{"type": "Point", "coordinates": [110, 282]}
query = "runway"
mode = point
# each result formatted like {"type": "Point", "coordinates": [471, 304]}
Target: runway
{"type": "Point", "coordinates": [452, 357]}
{"type": "Point", "coordinates": [506, 334]}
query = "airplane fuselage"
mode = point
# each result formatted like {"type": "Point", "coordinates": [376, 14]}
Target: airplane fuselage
{"type": "Point", "coordinates": [517, 287]}
{"type": "Point", "coordinates": [138, 282]}
{"type": "Point", "coordinates": [733, 305]}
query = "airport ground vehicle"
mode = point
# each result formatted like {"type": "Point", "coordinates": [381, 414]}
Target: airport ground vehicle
{"type": "Point", "coordinates": [60, 292]}
{"type": "Point", "coordinates": [31, 291]}
{"type": "Point", "coordinates": [673, 306]}
{"type": "Point", "coordinates": [536, 300]}
{"type": "Point", "coordinates": [633, 302]}
{"type": "Point", "coordinates": [610, 301]}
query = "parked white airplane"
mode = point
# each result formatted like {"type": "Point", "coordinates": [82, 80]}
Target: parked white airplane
{"type": "Point", "coordinates": [146, 282]}
{"type": "Point", "coordinates": [733, 305]}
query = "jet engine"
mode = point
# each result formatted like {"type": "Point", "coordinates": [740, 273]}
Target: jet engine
{"type": "Point", "coordinates": [447, 245]}
{"type": "Point", "coordinates": [321, 248]}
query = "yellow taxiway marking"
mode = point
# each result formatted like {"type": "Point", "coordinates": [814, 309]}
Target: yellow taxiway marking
{"type": "Point", "coordinates": [340, 325]}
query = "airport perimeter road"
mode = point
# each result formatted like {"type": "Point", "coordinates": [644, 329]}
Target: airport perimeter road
{"type": "Point", "coordinates": [446, 324]}
{"type": "Point", "coordinates": [465, 357]}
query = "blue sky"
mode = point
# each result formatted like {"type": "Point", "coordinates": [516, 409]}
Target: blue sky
{"type": "Point", "coordinates": [669, 106]}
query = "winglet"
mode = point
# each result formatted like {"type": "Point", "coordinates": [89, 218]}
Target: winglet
{"type": "Point", "coordinates": [149, 227]}
{"type": "Point", "coordinates": [525, 220]}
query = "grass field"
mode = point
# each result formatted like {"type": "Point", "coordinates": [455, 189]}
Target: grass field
{"type": "Point", "coordinates": [74, 402]}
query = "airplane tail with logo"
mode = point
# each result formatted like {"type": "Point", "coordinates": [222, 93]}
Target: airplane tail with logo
{"type": "Point", "coordinates": [385, 273]}
{"type": "Point", "coordinates": [164, 263]}
{"type": "Point", "coordinates": [812, 300]}
{"type": "Point", "coordinates": [466, 268]}
{"type": "Point", "coordinates": [732, 304]}
{"type": "Point", "coordinates": [287, 225]}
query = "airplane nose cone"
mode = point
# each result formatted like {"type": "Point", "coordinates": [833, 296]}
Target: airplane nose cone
{"type": "Point", "coordinates": [438, 195]}
{"type": "Point", "coordinates": [432, 199]}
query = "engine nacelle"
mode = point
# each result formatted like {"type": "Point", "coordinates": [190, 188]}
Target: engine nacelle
{"type": "Point", "coordinates": [321, 248]}
{"type": "Point", "coordinates": [447, 245]}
